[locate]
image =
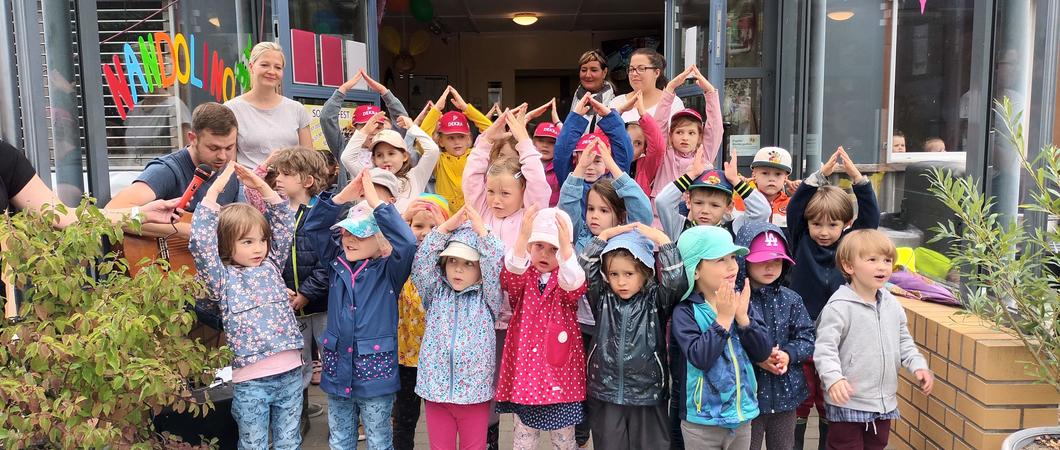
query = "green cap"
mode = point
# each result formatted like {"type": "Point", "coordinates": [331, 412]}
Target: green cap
{"type": "Point", "coordinates": [704, 242]}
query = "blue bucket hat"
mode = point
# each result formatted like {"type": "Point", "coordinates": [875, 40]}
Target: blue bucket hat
{"type": "Point", "coordinates": [637, 244]}
{"type": "Point", "coordinates": [704, 242]}
{"type": "Point", "coordinates": [359, 222]}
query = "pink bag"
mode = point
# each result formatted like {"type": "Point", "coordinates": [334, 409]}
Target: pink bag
{"type": "Point", "coordinates": [917, 286]}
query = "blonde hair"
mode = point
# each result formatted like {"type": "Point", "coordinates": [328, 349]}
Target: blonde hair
{"type": "Point", "coordinates": [266, 46]}
{"type": "Point", "coordinates": [830, 203]}
{"type": "Point", "coordinates": [304, 162]}
{"type": "Point", "coordinates": [863, 242]}
{"type": "Point", "coordinates": [234, 222]}
{"type": "Point", "coordinates": [507, 166]}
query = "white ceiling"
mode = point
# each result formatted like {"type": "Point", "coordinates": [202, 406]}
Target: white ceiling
{"type": "Point", "coordinates": [485, 16]}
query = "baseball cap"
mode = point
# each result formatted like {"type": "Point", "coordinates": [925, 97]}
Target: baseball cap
{"type": "Point", "coordinates": [687, 112]}
{"type": "Point", "coordinates": [385, 179]}
{"type": "Point", "coordinates": [704, 242]}
{"type": "Point", "coordinates": [546, 129]}
{"type": "Point", "coordinates": [712, 179]}
{"type": "Point", "coordinates": [454, 122]}
{"type": "Point", "coordinates": [359, 222]}
{"type": "Point", "coordinates": [775, 157]}
{"type": "Point", "coordinates": [363, 113]}
{"type": "Point", "coordinates": [637, 244]}
{"type": "Point", "coordinates": [390, 137]}
{"type": "Point", "coordinates": [545, 228]}
{"type": "Point", "coordinates": [586, 140]}
{"type": "Point", "coordinates": [767, 247]}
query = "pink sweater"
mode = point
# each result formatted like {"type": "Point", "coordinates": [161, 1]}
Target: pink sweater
{"type": "Point", "coordinates": [674, 165]}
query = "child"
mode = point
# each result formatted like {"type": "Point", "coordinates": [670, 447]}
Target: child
{"type": "Point", "coordinates": [389, 151]}
{"type": "Point", "coordinates": [647, 141]}
{"type": "Point", "coordinates": [717, 337]}
{"type": "Point", "coordinates": [455, 141]}
{"type": "Point", "coordinates": [368, 262]}
{"type": "Point", "coordinates": [818, 216]}
{"type": "Point", "coordinates": [631, 303]}
{"type": "Point", "coordinates": [458, 271]}
{"type": "Point", "coordinates": [542, 374]}
{"type": "Point", "coordinates": [770, 170]}
{"type": "Point", "coordinates": [299, 176]}
{"type": "Point", "coordinates": [862, 318]}
{"type": "Point", "coordinates": [545, 141]}
{"type": "Point", "coordinates": [708, 199]}
{"type": "Point", "coordinates": [240, 255]}
{"type": "Point", "coordinates": [337, 137]}
{"type": "Point", "coordinates": [423, 214]}
{"type": "Point", "coordinates": [687, 132]}
{"type": "Point", "coordinates": [570, 136]}
{"type": "Point", "coordinates": [780, 389]}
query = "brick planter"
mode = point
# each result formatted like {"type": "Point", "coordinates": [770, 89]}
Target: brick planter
{"type": "Point", "coordinates": [982, 391]}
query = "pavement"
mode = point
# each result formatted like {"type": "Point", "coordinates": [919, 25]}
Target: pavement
{"type": "Point", "coordinates": [317, 438]}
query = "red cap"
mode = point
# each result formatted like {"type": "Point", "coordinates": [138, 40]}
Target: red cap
{"type": "Point", "coordinates": [546, 129]}
{"type": "Point", "coordinates": [454, 122]}
{"type": "Point", "coordinates": [588, 139]}
{"type": "Point", "coordinates": [363, 113]}
{"type": "Point", "coordinates": [687, 112]}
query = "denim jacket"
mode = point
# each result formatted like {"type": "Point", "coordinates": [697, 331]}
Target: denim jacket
{"type": "Point", "coordinates": [359, 354]}
{"type": "Point", "coordinates": [258, 320]}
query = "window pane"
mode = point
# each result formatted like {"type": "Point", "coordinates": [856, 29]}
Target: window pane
{"type": "Point", "coordinates": [932, 72]}
{"type": "Point", "coordinates": [343, 18]}
{"type": "Point", "coordinates": [744, 30]}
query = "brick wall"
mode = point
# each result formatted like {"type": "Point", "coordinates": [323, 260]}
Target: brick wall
{"type": "Point", "coordinates": [982, 392]}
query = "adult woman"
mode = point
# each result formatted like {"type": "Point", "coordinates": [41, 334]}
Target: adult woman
{"type": "Point", "coordinates": [646, 68]}
{"type": "Point", "coordinates": [267, 120]}
{"type": "Point", "coordinates": [592, 75]}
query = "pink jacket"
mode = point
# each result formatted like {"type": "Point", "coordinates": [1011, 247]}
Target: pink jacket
{"type": "Point", "coordinates": [526, 375]}
{"type": "Point", "coordinates": [672, 165]}
{"type": "Point", "coordinates": [654, 148]}
{"type": "Point", "coordinates": [474, 185]}
{"type": "Point", "coordinates": [553, 183]}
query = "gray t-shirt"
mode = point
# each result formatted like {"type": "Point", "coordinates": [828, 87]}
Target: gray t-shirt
{"type": "Point", "coordinates": [263, 130]}
{"type": "Point", "coordinates": [170, 175]}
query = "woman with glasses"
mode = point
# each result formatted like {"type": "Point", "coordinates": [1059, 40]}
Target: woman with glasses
{"type": "Point", "coordinates": [592, 77]}
{"type": "Point", "coordinates": [646, 68]}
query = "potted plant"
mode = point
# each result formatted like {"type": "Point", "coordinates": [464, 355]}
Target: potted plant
{"type": "Point", "coordinates": [96, 353]}
{"type": "Point", "coordinates": [1010, 274]}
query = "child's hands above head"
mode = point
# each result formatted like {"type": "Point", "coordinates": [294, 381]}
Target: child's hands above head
{"type": "Point", "coordinates": [585, 158]}
{"type": "Point", "coordinates": [494, 110]}
{"type": "Point", "coordinates": [701, 81]}
{"type": "Point", "coordinates": [679, 79]}
{"type": "Point", "coordinates": [517, 126]}
{"type": "Point", "coordinates": [349, 84]}
{"type": "Point", "coordinates": [252, 181]}
{"type": "Point", "coordinates": [453, 222]}
{"type": "Point", "coordinates": [457, 101]}
{"type": "Point", "coordinates": [841, 392]}
{"type": "Point", "coordinates": [423, 113]}
{"type": "Point", "coordinates": [656, 235]}
{"type": "Point", "coordinates": [926, 380]}
{"type": "Point", "coordinates": [604, 151]}
{"type": "Point", "coordinates": [615, 231]}
{"type": "Point", "coordinates": [829, 166]}
{"type": "Point", "coordinates": [698, 165]}
{"type": "Point", "coordinates": [555, 113]}
{"type": "Point", "coordinates": [582, 107]}
{"type": "Point", "coordinates": [631, 102]}
{"type": "Point", "coordinates": [566, 249]}
{"type": "Point", "coordinates": [222, 180]}
{"type": "Point", "coordinates": [537, 112]}
{"type": "Point", "coordinates": [849, 167]}
{"type": "Point", "coordinates": [354, 190]}
{"type": "Point", "coordinates": [476, 220]}
{"type": "Point", "coordinates": [405, 122]}
{"type": "Point", "coordinates": [374, 125]}
{"type": "Point", "coordinates": [730, 166]}
{"type": "Point", "coordinates": [496, 132]}
{"type": "Point", "coordinates": [370, 194]}
{"type": "Point", "coordinates": [440, 104]}
{"type": "Point", "coordinates": [600, 108]}
{"type": "Point", "coordinates": [372, 84]}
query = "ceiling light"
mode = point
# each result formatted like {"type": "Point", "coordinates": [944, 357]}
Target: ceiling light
{"type": "Point", "coordinates": [525, 18]}
{"type": "Point", "coordinates": [840, 16]}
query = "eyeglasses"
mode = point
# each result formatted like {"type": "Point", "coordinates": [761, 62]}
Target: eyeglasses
{"type": "Point", "coordinates": [639, 70]}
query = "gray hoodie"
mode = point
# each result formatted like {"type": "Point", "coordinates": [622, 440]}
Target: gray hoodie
{"type": "Point", "coordinates": [865, 344]}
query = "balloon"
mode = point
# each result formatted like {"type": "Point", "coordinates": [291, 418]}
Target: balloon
{"type": "Point", "coordinates": [390, 39]}
{"type": "Point", "coordinates": [419, 42]}
{"type": "Point", "coordinates": [397, 6]}
{"type": "Point", "coordinates": [422, 10]}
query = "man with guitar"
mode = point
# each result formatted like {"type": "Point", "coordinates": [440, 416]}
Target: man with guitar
{"type": "Point", "coordinates": [211, 141]}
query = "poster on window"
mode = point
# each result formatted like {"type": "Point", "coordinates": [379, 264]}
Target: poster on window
{"type": "Point", "coordinates": [345, 120]}
{"type": "Point", "coordinates": [745, 144]}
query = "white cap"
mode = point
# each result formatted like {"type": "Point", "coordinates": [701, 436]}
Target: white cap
{"type": "Point", "coordinates": [772, 157]}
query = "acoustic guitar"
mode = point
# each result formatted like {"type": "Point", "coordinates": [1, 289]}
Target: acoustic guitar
{"type": "Point", "coordinates": [173, 249]}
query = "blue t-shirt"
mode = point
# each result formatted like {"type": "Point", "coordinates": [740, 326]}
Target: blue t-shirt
{"type": "Point", "coordinates": [170, 175]}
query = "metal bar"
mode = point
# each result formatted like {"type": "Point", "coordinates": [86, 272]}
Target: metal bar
{"type": "Point", "coordinates": [10, 123]}
{"type": "Point", "coordinates": [95, 127]}
{"type": "Point", "coordinates": [1046, 64]}
{"type": "Point", "coordinates": [31, 79]}
{"type": "Point", "coordinates": [980, 136]}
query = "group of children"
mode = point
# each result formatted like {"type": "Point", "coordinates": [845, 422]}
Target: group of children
{"type": "Point", "coordinates": [639, 300]}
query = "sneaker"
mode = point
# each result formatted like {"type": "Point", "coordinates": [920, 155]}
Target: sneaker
{"type": "Point", "coordinates": [315, 410]}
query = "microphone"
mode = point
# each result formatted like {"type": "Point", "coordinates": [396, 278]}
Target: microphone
{"type": "Point", "coordinates": [202, 173]}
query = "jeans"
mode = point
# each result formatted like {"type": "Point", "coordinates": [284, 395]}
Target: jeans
{"type": "Point", "coordinates": [374, 412]}
{"type": "Point", "coordinates": [272, 403]}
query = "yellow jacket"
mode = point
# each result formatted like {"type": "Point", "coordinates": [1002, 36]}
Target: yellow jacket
{"type": "Point", "coordinates": [450, 169]}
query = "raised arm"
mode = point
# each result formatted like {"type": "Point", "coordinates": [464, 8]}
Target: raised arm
{"type": "Point", "coordinates": [203, 241]}
{"type": "Point", "coordinates": [277, 212]}
{"type": "Point", "coordinates": [537, 189]}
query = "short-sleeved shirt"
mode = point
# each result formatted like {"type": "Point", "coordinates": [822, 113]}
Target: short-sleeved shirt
{"type": "Point", "coordinates": [15, 173]}
{"type": "Point", "coordinates": [261, 131]}
{"type": "Point", "coordinates": [170, 175]}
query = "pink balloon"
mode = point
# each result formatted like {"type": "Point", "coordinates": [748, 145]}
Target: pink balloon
{"type": "Point", "coordinates": [923, 4]}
